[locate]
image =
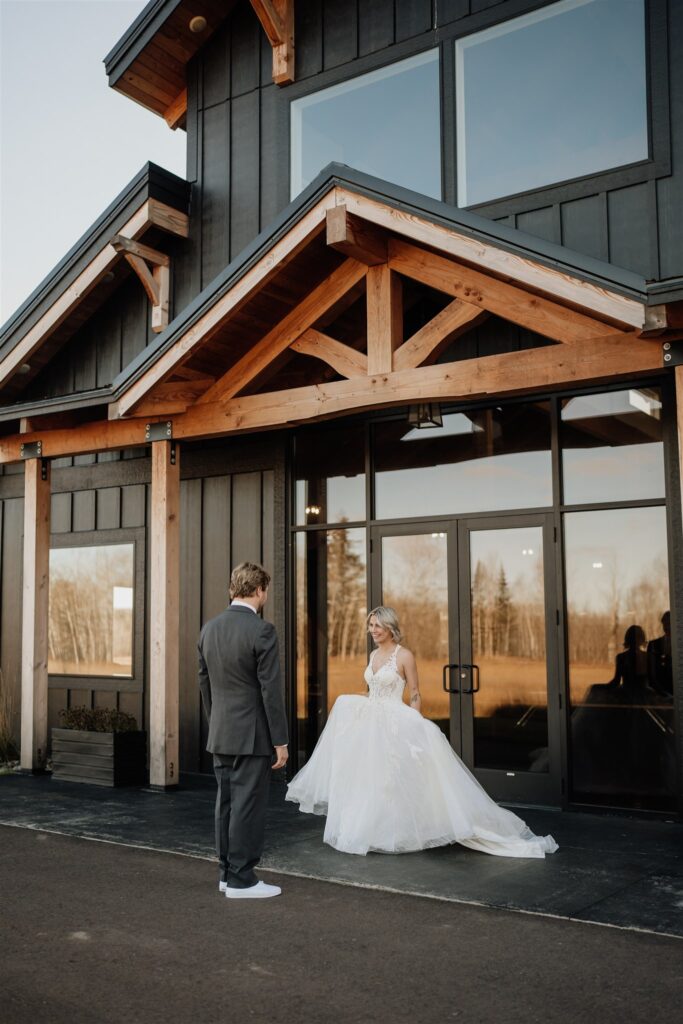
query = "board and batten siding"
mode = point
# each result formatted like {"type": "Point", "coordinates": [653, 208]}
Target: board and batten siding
{"type": "Point", "coordinates": [232, 509]}
{"type": "Point", "coordinates": [238, 134]}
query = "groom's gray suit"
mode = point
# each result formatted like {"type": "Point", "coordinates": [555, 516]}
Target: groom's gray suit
{"type": "Point", "coordinates": [242, 694]}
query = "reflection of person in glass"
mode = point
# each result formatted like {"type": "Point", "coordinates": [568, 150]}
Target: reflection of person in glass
{"type": "Point", "coordinates": [630, 680]}
{"type": "Point", "coordinates": [389, 780]}
{"type": "Point", "coordinates": [660, 671]}
{"type": "Point", "coordinates": [621, 738]}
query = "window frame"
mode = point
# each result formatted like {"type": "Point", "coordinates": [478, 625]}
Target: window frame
{"type": "Point", "coordinates": [656, 165]}
{"type": "Point", "coordinates": [108, 538]}
{"type": "Point", "coordinates": [415, 49]}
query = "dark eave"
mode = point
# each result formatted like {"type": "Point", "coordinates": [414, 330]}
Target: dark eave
{"type": "Point", "coordinates": [59, 404]}
{"type": "Point", "coordinates": [148, 64]}
{"type": "Point", "coordinates": [566, 261]}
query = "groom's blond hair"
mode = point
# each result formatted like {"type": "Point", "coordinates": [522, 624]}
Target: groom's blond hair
{"type": "Point", "coordinates": [246, 578]}
{"type": "Point", "coordinates": [388, 618]}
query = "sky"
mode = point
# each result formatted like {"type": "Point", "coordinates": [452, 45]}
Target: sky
{"type": "Point", "coordinates": [68, 143]}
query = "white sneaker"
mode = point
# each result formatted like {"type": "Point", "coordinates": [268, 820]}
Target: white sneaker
{"type": "Point", "coordinates": [260, 891]}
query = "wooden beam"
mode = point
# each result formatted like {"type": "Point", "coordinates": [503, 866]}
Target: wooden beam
{"type": "Point", "coordinates": [487, 256]}
{"type": "Point", "coordinates": [156, 282]}
{"type": "Point", "coordinates": [257, 276]}
{"type": "Point", "coordinates": [355, 237]}
{"type": "Point", "coordinates": [428, 343]}
{"type": "Point", "coordinates": [505, 300]}
{"type": "Point", "coordinates": [309, 309]}
{"type": "Point", "coordinates": [612, 357]}
{"type": "Point", "coordinates": [277, 20]}
{"type": "Point", "coordinates": [169, 397]}
{"type": "Point", "coordinates": [34, 624]}
{"type": "Point", "coordinates": [342, 358]}
{"type": "Point", "coordinates": [175, 114]}
{"type": "Point", "coordinates": [143, 252]}
{"type": "Point", "coordinates": [152, 212]}
{"type": "Point", "coordinates": [164, 624]}
{"type": "Point", "coordinates": [385, 317]}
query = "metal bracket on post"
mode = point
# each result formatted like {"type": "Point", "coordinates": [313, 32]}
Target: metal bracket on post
{"type": "Point", "coordinates": [172, 453]}
{"type": "Point", "coordinates": [159, 431]}
{"type": "Point", "coordinates": [673, 353]}
{"type": "Point", "coordinates": [31, 450]}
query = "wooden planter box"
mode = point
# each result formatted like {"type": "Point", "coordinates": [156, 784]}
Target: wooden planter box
{"type": "Point", "coordinates": [101, 758]}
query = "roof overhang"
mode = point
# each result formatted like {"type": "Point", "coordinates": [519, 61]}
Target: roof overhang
{"type": "Point", "coordinates": [351, 242]}
{"type": "Point", "coordinates": [154, 201]}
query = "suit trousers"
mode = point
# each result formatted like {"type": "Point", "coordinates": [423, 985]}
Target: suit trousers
{"type": "Point", "coordinates": [241, 804]}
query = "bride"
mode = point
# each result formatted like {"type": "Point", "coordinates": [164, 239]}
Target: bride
{"type": "Point", "coordinates": [388, 779]}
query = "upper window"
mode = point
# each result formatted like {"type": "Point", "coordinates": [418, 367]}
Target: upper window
{"type": "Point", "coordinates": [553, 95]}
{"type": "Point", "coordinates": [386, 123]}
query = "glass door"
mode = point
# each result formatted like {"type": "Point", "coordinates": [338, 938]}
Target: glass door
{"type": "Point", "coordinates": [508, 678]}
{"type": "Point", "coordinates": [414, 571]}
{"type": "Point", "coordinates": [475, 600]}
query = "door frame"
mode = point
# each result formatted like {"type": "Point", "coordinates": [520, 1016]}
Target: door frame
{"type": "Point", "coordinates": [544, 789]}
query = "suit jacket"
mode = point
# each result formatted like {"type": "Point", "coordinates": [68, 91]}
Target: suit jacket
{"type": "Point", "coordinates": [240, 683]}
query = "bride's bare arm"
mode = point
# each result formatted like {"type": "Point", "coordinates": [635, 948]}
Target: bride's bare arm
{"type": "Point", "coordinates": [408, 664]}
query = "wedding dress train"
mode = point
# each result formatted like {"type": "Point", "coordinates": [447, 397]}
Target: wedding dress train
{"type": "Point", "coordinates": [389, 781]}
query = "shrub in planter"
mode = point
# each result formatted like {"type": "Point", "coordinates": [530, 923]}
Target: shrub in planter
{"type": "Point", "coordinates": [101, 745]}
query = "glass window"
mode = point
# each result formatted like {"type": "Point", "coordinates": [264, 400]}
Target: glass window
{"type": "Point", "coordinates": [91, 611]}
{"type": "Point", "coordinates": [330, 475]}
{"type": "Point", "coordinates": [478, 461]}
{"type": "Point", "coordinates": [385, 123]}
{"type": "Point", "coordinates": [553, 95]}
{"type": "Point", "coordinates": [620, 668]}
{"type": "Point", "coordinates": [612, 446]}
{"type": "Point", "coordinates": [331, 639]}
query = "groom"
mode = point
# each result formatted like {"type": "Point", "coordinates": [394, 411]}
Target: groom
{"type": "Point", "coordinates": [239, 680]}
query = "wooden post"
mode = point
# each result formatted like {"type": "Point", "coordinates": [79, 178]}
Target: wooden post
{"type": "Point", "coordinates": [385, 318]}
{"type": "Point", "coordinates": [34, 632]}
{"type": "Point", "coordinates": [164, 625]}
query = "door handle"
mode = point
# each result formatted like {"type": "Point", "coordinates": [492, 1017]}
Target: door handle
{"type": "Point", "coordinates": [447, 669]}
{"type": "Point", "coordinates": [474, 670]}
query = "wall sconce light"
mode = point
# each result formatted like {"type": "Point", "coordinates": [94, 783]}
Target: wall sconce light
{"type": "Point", "coordinates": [313, 510]}
{"type": "Point", "coordinates": [424, 415]}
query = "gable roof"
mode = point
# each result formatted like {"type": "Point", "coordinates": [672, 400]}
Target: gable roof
{"type": "Point", "coordinates": [617, 294]}
{"type": "Point", "coordinates": [153, 198]}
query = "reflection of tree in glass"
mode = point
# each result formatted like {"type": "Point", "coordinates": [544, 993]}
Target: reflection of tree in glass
{"type": "Point", "coordinates": [507, 621]}
{"type": "Point", "coordinates": [345, 597]}
{"type": "Point", "coordinates": [81, 624]}
{"type": "Point", "coordinates": [596, 634]}
{"type": "Point", "coordinates": [414, 582]}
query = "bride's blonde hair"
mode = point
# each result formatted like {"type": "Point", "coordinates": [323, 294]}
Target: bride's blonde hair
{"type": "Point", "coordinates": [387, 618]}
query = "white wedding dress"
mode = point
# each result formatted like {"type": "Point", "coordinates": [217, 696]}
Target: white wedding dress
{"type": "Point", "coordinates": [389, 781]}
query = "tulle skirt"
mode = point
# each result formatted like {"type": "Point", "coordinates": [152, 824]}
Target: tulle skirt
{"type": "Point", "coordinates": [389, 781]}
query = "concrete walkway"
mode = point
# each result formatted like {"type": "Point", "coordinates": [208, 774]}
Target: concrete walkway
{"type": "Point", "coordinates": [94, 933]}
{"type": "Point", "coordinates": [609, 870]}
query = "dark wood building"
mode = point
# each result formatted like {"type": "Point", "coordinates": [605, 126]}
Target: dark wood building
{"type": "Point", "coordinates": [411, 332]}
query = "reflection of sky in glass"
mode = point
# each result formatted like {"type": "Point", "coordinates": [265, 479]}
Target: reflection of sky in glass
{"type": "Point", "coordinates": [610, 552]}
{"type": "Point", "coordinates": [345, 501]}
{"type": "Point", "coordinates": [518, 551]}
{"type": "Point", "coordinates": [553, 95]}
{"type": "Point", "coordinates": [385, 123]}
{"type": "Point", "coordinates": [615, 470]}
{"type": "Point", "coordinates": [515, 480]}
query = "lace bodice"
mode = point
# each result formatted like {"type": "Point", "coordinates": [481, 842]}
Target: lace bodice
{"type": "Point", "coordinates": [386, 683]}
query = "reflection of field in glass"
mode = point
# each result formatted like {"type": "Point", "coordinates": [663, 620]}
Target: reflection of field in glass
{"type": "Point", "coordinates": [503, 681]}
